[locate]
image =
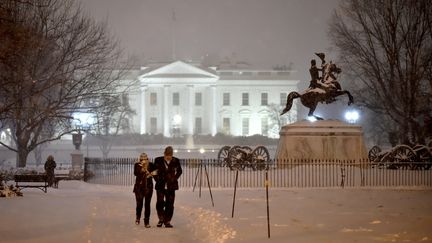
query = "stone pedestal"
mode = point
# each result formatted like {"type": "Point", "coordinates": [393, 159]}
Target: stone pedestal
{"type": "Point", "coordinates": [321, 140]}
{"type": "Point", "coordinates": [77, 160]}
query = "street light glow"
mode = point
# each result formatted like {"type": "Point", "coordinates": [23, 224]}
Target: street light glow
{"type": "Point", "coordinates": [177, 119]}
{"type": "Point", "coordinates": [311, 119]}
{"type": "Point", "coordinates": [352, 116]}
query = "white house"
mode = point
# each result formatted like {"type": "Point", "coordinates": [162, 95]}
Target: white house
{"type": "Point", "coordinates": [181, 98]}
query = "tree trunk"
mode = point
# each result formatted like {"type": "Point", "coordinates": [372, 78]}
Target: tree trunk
{"type": "Point", "coordinates": [38, 155]}
{"type": "Point", "coordinates": [22, 155]}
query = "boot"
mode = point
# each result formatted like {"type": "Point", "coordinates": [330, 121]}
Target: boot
{"type": "Point", "coordinates": [147, 223]}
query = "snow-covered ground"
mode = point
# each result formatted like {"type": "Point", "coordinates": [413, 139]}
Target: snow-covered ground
{"type": "Point", "coordinates": [81, 212]}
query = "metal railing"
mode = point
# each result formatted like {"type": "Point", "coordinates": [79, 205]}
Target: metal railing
{"type": "Point", "coordinates": [282, 173]}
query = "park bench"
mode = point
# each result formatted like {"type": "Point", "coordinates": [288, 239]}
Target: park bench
{"type": "Point", "coordinates": [59, 177]}
{"type": "Point", "coordinates": [32, 180]}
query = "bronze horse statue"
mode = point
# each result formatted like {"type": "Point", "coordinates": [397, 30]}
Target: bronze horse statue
{"type": "Point", "coordinates": [327, 91]}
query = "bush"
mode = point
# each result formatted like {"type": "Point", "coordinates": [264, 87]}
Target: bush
{"type": "Point", "coordinates": [76, 175]}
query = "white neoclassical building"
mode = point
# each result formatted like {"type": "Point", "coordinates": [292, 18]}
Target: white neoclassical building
{"type": "Point", "coordinates": [181, 98]}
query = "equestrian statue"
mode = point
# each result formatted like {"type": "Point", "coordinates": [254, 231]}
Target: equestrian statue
{"type": "Point", "coordinates": [322, 89]}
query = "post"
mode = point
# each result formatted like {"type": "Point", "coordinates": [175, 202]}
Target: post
{"type": "Point", "coordinates": [196, 178]}
{"type": "Point", "coordinates": [208, 183]}
{"type": "Point", "coordinates": [342, 176]}
{"type": "Point", "coordinates": [267, 199]}
{"type": "Point", "coordinates": [235, 190]}
{"type": "Point", "coordinates": [200, 183]}
{"type": "Point", "coordinates": [86, 160]}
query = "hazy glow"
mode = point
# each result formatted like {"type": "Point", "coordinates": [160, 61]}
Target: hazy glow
{"type": "Point", "coordinates": [311, 119]}
{"type": "Point", "coordinates": [202, 150]}
{"type": "Point", "coordinates": [352, 116]}
{"type": "Point", "coordinates": [177, 119]}
{"type": "Point", "coordinates": [83, 119]}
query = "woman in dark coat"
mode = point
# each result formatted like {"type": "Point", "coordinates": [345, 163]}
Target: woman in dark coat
{"type": "Point", "coordinates": [143, 188]}
{"type": "Point", "coordinates": [50, 165]}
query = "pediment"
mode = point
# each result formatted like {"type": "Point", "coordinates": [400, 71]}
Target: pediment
{"type": "Point", "coordinates": [179, 69]}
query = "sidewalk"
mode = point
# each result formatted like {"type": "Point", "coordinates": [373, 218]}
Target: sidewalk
{"type": "Point", "coordinates": [80, 212]}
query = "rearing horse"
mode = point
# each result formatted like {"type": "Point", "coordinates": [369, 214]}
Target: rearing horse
{"type": "Point", "coordinates": [326, 92]}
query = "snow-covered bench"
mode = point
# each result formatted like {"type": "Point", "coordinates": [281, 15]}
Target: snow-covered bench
{"type": "Point", "coordinates": [59, 177]}
{"type": "Point", "coordinates": [32, 180]}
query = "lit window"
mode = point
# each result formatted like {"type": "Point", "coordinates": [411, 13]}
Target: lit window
{"type": "Point", "coordinates": [226, 126]}
{"type": "Point", "coordinates": [264, 126]}
{"type": "Point", "coordinates": [198, 99]}
{"type": "Point", "coordinates": [125, 100]}
{"type": "Point", "coordinates": [226, 99]}
{"type": "Point", "coordinates": [264, 98]}
{"type": "Point", "coordinates": [153, 125]}
{"type": "Point", "coordinates": [198, 125]}
{"type": "Point", "coordinates": [245, 98]}
{"type": "Point", "coordinates": [245, 126]}
{"type": "Point", "coordinates": [283, 97]}
{"type": "Point", "coordinates": [153, 99]}
{"type": "Point", "coordinates": [176, 98]}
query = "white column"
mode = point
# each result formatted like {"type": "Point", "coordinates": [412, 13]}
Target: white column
{"type": "Point", "coordinates": [190, 106]}
{"type": "Point", "coordinates": [143, 128]}
{"type": "Point", "coordinates": [165, 117]}
{"type": "Point", "coordinates": [213, 112]}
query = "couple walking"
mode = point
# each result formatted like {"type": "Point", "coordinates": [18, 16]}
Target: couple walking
{"type": "Point", "coordinates": [165, 171]}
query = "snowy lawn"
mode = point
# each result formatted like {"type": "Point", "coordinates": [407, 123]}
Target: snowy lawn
{"type": "Point", "coordinates": [81, 212]}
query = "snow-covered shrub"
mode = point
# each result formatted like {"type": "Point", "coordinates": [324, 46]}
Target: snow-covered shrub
{"type": "Point", "coordinates": [8, 190]}
{"type": "Point", "coordinates": [76, 174]}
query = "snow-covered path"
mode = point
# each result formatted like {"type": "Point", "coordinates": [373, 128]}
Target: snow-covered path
{"type": "Point", "coordinates": [80, 212]}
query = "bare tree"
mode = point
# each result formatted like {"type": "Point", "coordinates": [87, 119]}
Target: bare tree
{"type": "Point", "coordinates": [53, 61]}
{"type": "Point", "coordinates": [112, 119]}
{"type": "Point", "coordinates": [276, 121]}
{"type": "Point", "coordinates": [387, 48]}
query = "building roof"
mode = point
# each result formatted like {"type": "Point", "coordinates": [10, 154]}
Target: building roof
{"type": "Point", "coordinates": [182, 69]}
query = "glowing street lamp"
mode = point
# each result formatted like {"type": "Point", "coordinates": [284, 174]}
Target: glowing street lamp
{"type": "Point", "coordinates": [177, 119]}
{"type": "Point", "coordinates": [311, 119]}
{"type": "Point", "coordinates": [352, 116]}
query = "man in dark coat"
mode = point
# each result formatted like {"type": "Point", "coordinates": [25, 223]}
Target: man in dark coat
{"type": "Point", "coordinates": [168, 172]}
{"type": "Point", "coordinates": [143, 188]}
{"type": "Point", "coordinates": [49, 166]}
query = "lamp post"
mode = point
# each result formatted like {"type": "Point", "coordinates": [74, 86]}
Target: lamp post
{"type": "Point", "coordinates": [77, 156]}
{"type": "Point", "coordinates": [77, 139]}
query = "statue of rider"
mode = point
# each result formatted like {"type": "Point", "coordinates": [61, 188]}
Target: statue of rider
{"type": "Point", "coordinates": [327, 74]}
{"type": "Point", "coordinates": [323, 64]}
{"type": "Point", "coordinates": [314, 72]}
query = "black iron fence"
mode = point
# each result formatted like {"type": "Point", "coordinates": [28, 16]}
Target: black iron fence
{"type": "Point", "coordinates": [282, 173]}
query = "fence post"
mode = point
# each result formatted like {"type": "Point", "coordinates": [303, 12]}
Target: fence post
{"type": "Point", "coordinates": [267, 199]}
{"type": "Point", "coordinates": [85, 168]}
{"type": "Point", "coordinates": [342, 173]}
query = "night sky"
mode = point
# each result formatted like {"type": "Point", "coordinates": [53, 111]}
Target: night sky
{"type": "Point", "coordinates": [264, 33]}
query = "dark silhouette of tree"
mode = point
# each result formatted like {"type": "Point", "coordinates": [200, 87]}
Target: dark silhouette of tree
{"type": "Point", "coordinates": [53, 60]}
{"type": "Point", "coordinates": [276, 121]}
{"type": "Point", "coordinates": [386, 46]}
{"type": "Point", "coordinates": [111, 120]}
